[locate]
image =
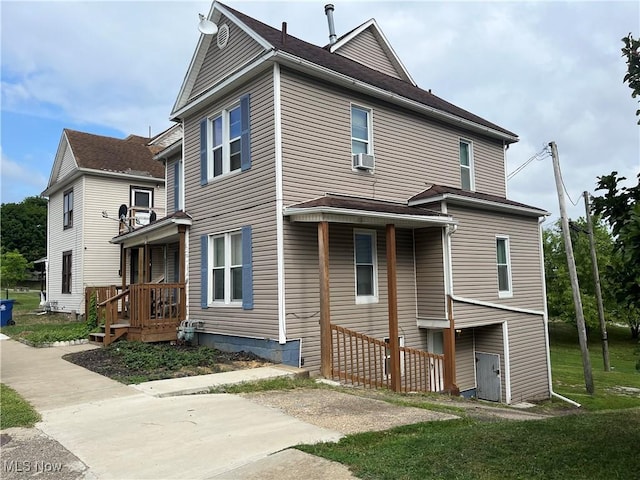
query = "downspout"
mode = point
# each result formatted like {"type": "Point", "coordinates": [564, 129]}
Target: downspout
{"type": "Point", "coordinates": [546, 320]}
{"type": "Point", "coordinates": [277, 109]}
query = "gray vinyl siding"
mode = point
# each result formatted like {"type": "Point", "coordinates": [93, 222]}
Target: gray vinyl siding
{"type": "Point", "coordinates": [219, 64]}
{"type": "Point", "coordinates": [173, 267]}
{"type": "Point", "coordinates": [465, 361]}
{"type": "Point", "coordinates": [62, 240]}
{"type": "Point", "coordinates": [528, 358]}
{"type": "Point", "coordinates": [366, 49]}
{"type": "Point", "coordinates": [230, 202]}
{"type": "Point", "coordinates": [411, 151]}
{"type": "Point", "coordinates": [302, 287]}
{"type": "Point", "coordinates": [431, 299]}
{"type": "Point", "coordinates": [68, 163]}
{"type": "Point", "coordinates": [473, 249]}
{"type": "Point", "coordinates": [488, 339]}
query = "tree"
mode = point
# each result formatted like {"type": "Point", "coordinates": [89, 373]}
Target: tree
{"type": "Point", "coordinates": [631, 51]}
{"type": "Point", "coordinates": [620, 208]}
{"type": "Point", "coordinates": [559, 296]}
{"type": "Point", "coordinates": [24, 227]}
{"type": "Point", "coordinates": [14, 268]}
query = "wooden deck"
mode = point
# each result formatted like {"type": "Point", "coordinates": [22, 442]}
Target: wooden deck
{"type": "Point", "coordinates": [141, 312]}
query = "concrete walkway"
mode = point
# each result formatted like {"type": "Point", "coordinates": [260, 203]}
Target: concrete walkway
{"type": "Point", "coordinates": [121, 431]}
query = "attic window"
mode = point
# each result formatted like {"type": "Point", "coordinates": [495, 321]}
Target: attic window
{"type": "Point", "coordinates": [223, 36]}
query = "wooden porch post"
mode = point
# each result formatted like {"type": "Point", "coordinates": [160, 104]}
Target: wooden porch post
{"type": "Point", "coordinates": [450, 353]}
{"type": "Point", "coordinates": [392, 288]}
{"type": "Point", "coordinates": [181, 247]}
{"type": "Point", "coordinates": [325, 309]}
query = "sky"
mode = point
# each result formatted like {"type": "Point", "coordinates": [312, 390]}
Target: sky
{"type": "Point", "coordinates": [548, 71]}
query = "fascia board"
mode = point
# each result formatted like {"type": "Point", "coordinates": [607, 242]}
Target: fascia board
{"type": "Point", "coordinates": [354, 84]}
{"type": "Point", "coordinates": [435, 220]}
{"type": "Point", "coordinates": [480, 203]}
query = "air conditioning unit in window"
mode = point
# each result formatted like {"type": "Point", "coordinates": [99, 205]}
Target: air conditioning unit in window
{"type": "Point", "coordinates": [363, 161]}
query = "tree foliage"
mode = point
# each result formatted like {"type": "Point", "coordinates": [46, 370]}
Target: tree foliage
{"type": "Point", "coordinates": [13, 269]}
{"type": "Point", "coordinates": [619, 206]}
{"type": "Point", "coordinates": [631, 52]}
{"type": "Point", "coordinates": [24, 227]}
{"type": "Point", "coordinates": [559, 295]}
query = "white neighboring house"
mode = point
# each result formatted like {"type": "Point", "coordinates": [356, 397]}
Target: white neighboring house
{"type": "Point", "coordinates": [91, 178]}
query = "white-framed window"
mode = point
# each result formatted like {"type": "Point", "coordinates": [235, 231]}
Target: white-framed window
{"type": "Point", "coordinates": [467, 175]}
{"type": "Point", "coordinates": [361, 130]}
{"type": "Point", "coordinates": [141, 203]}
{"type": "Point", "coordinates": [224, 142]}
{"type": "Point", "coordinates": [225, 268]}
{"type": "Point", "coordinates": [503, 261]}
{"type": "Point", "coordinates": [67, 218]}
{"type": "Point", "coordinates": [366, 266]}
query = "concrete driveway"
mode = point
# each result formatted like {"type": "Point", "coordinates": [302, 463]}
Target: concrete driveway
{"type": "Point", "coordinates": [120, 433]}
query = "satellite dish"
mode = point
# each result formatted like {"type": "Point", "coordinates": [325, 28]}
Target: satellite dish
{"type": "Point", "coordinates": [152, 217]}
{"type": "Point", "coordinates": [207, 26]}
{"type": "Point", "coordinates": [122, 211]}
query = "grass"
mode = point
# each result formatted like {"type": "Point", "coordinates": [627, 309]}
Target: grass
{"type": "Point", "coordinates": [15, 411]}
{"type": "Point", "coordinates": [594, 446]}
{"type": "Point", "coordinates": [41, 329]}
{"type": "Point", "coordinates": [568, 375]}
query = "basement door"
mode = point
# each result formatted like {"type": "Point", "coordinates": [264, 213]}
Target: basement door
{"type": "Point", "coordinates": [488, 376]}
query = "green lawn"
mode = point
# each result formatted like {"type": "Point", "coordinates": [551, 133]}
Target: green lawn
{"type": "Point", "coordinates": [589, 446]}
{"type": "Point", "coordinates": [568, 375]}
{"type": "Point", "coordinates": [14, 410]}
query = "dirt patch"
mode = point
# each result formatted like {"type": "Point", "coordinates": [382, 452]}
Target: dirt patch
{"type": "Point", "coordinates": [180, 362]}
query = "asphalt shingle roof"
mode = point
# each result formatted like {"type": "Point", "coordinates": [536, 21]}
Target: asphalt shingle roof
{"type": "Point", "coordinates": [130, 155]}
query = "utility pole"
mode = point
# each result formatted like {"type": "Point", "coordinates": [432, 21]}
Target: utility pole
{"type": "Point", "coordinates": [573, 274]}
{"type": "Point", "coordinates": [596, 281]}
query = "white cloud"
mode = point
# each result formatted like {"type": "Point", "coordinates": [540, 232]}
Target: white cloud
{"type": "Point", "coordinates": [18, 180]}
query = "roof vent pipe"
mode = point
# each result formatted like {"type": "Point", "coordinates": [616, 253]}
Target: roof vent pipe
{"type": "Point", "coordinates": [328, 10]}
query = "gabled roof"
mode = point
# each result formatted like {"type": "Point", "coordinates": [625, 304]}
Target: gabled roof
{"type": "Point", "coordinates": [104, 155]}
{"type": "Point", "coordinates": [437, 193]}
{"type": "Point", "coordinates": [287, 46]}
{"type": "Point", "coordinates": [372, 25]}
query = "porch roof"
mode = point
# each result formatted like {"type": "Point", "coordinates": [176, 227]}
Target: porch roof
{"type": "Point", "coordinates": [163, 230]}
{"type": "Point", "coordinates": [365, 211]}
{"type": "Point", "coordinates": [438, 193]}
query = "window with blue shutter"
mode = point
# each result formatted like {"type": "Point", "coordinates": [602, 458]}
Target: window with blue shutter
{"type": "Point", "coordinates": [247, 269]}
{"type": "Point", "coordinates": [176, 186]}
{"type": "Point", "coordinates": [225, 141]}
{"type": "Point", "coordinates": [204, 271]}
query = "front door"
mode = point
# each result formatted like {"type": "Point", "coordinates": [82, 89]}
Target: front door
{"type": "Point", "coordinates": [435, 344]}
{"type": "Point", "coordinates": [488, 376]}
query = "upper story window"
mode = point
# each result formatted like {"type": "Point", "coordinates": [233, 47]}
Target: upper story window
{"type": "Point", "coordinates": [467, 180]}
{"type": "Point", "coordinates": [503, 261]}
{"type": "Point", "coordinates": [361, 130]}
{"type": "Point", "coordinates": [177, 186]}
{"type": "Point", "coordinates": [66, 271]}
{"type": "Point", "coordinates": [141, 204]}
{"type": "Point", "coordinates": [225, 141]}
{"type": "Point", "coordinates": [366, 266]}
{"type": "Point", "coordinates": [67, 217]}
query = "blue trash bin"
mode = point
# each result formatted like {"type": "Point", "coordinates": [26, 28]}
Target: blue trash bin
{"type": "Point", "coordinates": [6, 312]}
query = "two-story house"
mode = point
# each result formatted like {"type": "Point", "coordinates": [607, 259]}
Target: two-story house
{"type": "Point", "coordinates": [92, 178]}
{"type": "Point", "coordinates": [340, 218]}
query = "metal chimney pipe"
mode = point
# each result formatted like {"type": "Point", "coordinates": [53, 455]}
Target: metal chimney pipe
{"type": "Point", "coordinates": [328, 10]}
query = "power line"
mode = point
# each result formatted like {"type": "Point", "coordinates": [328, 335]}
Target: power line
{"type": "Point", "coordinates": [542, 154]}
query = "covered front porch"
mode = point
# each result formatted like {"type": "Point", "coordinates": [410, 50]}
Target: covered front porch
{"type": "Point", "coordinates": [151, 302]}
{"type": "Point", "coordinates": [352, 356]}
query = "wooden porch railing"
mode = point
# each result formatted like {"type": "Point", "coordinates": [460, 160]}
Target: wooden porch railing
{"type": "Point", "coordinates": [152, 311]}
{"type": "Point", "coordinates": [363, 360]}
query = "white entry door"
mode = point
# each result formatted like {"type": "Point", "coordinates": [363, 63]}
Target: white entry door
{"type": "Point", "coordinates": [488, 376]}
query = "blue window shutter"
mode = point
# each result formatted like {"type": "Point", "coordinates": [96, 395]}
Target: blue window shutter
{"type": "Point", "coordinates": [204, 270]}
{"type": "Point", "coordinates": [203, 151]}
{"type": "Point", "coordinates": [176, 186]}
{"type": "Point", "coordinates": [245, 121]}
{"type": "Point", "coordinates": [247, 269]}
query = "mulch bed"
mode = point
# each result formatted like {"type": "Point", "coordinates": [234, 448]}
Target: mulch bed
{"type": "Point", "coordinates": [107, 361]}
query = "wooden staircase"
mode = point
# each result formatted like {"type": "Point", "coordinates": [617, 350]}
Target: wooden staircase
{"type": "Point", "coordinates": [116, 331]}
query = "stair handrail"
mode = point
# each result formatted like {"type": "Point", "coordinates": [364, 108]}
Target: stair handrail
{"type": "Point", "coordinates": [109, 305]}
